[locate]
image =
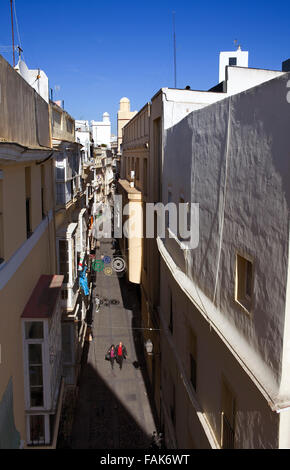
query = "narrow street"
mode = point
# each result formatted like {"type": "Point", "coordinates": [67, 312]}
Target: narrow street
{"type": "Point", "coordinates": [113, 410]}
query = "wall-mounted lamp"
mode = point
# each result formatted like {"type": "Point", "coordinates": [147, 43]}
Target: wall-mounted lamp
{"type": "Point", "coordinates": [149, 347]}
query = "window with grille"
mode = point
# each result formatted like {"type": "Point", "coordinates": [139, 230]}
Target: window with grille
{"type": "Point", "coordinates": [64, 260]}
{"type": "Point", "coordinates": [35, 375]}
{"type": "Point", "coordinates": [37, 430]}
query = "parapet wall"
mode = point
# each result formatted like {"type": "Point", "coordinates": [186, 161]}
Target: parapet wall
{"type": "Point", "coordinates": [24, 115]}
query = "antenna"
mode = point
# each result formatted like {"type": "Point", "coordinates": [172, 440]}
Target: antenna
{"type": "Point", "coordinates": [174, 41]}
{"type": "Point", "coordinates": [237, 45]}
{"type": "Point", "coordinates": [19, 51]}
{"type": "Point", "coordinates": [12, 24]}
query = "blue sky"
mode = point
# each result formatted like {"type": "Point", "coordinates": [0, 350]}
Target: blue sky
{"type": "Point", "coordinates": [96, 52]}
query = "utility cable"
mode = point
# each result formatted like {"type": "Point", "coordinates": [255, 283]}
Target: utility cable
{"type": "Point", "coordinates": [17, 25]}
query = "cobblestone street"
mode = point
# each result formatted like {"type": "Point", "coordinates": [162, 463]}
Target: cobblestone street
{"type": "Point", "coordinates": [113, 410]}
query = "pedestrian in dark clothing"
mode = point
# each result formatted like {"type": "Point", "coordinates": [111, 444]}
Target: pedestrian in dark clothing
{"type": "Point", "coordinates": [120, 354]}
{"type": "Point", "coordinates": [110, 356]}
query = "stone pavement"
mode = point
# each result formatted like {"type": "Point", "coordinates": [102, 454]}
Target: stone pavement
{"type": "Point", "coordinates": [113, 409]}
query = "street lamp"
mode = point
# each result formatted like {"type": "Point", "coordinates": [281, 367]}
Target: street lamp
{"type": "Point", "coordinates": [149, 347]}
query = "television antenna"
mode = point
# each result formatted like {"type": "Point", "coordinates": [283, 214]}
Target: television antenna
{"type": "Point", "coordinates": [238, 46]}
{"type": "Point", "coordinates": [174, 44]}
{"type": "Point", "coordinates": [12, 25]}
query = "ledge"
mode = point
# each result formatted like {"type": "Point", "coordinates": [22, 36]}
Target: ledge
{"type": "Point", "coordinates": [132, 193]}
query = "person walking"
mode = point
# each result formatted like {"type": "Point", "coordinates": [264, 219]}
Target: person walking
{"type": "Point", "coordinates": [110, 356]}
{"type": "Point", "coordinates": [120, 354]}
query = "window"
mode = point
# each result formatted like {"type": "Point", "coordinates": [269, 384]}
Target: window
{"type": "Point", "coordinates": [42, 191]}
{"type": "Point", "coordinates": [69, 126]}
{"type": "Point", "coordinates": [170, 326]}
{"type": "Point", "coordinates": [37, 430]}
{"type": "Point", "coordinates": [68, 351]}
{"type": "Point", "coordinates": [73, 258]}
{"type": "Point", "coordinates": [34, 330]}
{"type": "Point", "coordinates": [145, 177]}
{"type": "Point", "coordinates": [64, 294]}
{"type": "Point", "coordinates": [28, 218]}
{"type": "Point", "coordinates": [28, 201]}
{"type": "Point", "coordinates": [137, 169]}
{"type": "Point", "coordinates": [145, 265]}
{"type": "Point", "coordinates": [244, 282]}
{"type": "Point", "coordinates": [56, 115]}
{"type": "Point", "coordinates": [63, 260]}
{"type": "Point", "coordinates": [35, 375]}
{"type": "Point", "coordinates": [157, 158]}
{"type": "Point", "coordinates": [60, 173]}
{"type": "Point", "coordinates": [228, 417]}
{"type": "Point", "coordinates": [167, 215]}
{"type": "Point", "coordinates": [60, 193]}
{"type": "Point", "coordinates": [232, 61]}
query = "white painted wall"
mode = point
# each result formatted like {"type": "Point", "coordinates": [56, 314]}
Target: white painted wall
{"type": "Point", "coordinates": [242, 60]}
{"type": "Point", "coordinates": [37, 79]}
{"type": "Point", "coordinates": [239, 79]}
{"type": "Point", "coordinates": [82, 133]}
{"type": "Point", "coordinates": [179, 103]}
{"type": "Point", "coordinates": [102, 131]}
{"type": "Point", "coordinates": [242, 186]}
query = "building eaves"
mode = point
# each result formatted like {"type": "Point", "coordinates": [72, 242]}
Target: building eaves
{"type": "Point", "coordinates": [17, 153]}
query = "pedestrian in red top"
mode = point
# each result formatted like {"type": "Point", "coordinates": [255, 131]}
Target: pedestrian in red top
{"type": "Point", "coordinates": [120, 354]}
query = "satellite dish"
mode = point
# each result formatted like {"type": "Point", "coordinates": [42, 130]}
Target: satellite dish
{"type": "Point", "coordinates": [23, 70]}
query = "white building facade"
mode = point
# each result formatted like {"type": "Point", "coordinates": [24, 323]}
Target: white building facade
{"type": "Point", "coordinates": [83, 136]}
{"type": "Point", "coordinates": [224, 306]}
{"type": "Point", "coordinates": [101, 131]}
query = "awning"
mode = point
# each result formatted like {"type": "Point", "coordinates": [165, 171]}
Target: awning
{"type": "Point", "coordinates": [44, 297]}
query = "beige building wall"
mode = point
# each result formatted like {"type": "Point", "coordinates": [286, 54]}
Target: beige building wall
{"type": "Point", "coordinates": [62, 124]}
{"type": "Point", "coordinates": [198, 410]}
{"type": "Point", "coordinates": [19, 99]}
{"type": "Point", "coordinates": [135, 158]}
{"type": "Point", "coordinates": [131, 246]}
{"type": "Point", "coordinates": [25, 260]}
{"type": "Point", "coordinates": [150, 292]}
{"type": "Point", "coordinates": [124, 116]}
